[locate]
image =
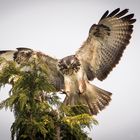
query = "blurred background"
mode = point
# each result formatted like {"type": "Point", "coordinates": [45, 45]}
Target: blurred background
{"type": "Point", "coordinates": [58, 28]}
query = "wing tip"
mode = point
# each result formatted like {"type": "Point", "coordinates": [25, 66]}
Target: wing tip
{"type": "Point", "coordinates": [23, 48]}
{"type": "Point", "coordinates": [2, 52]}
{"type": "Point", "coordinates": [5, 51]}
{"type": "Point", "coordinates": [114, 12]}
{"type": "Point", "coordinates": [104, 15]}
{"type": "Point", "coordinates": [119, 14]}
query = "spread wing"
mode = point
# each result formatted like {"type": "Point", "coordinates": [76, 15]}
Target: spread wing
{"type": "Point", "coordinates": [105, 44]}
{"type": "Point", "coordinates": [24, 55]}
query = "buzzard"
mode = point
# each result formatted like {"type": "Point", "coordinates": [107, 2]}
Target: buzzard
{"type": "Point", "coordinates": [98, 55]}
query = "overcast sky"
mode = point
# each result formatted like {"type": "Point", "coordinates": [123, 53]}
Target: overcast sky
{"type": "Point", "coordinates": [58, 28]}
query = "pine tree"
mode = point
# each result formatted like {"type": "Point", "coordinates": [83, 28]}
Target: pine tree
{"type": "Point", "coordinates": [39, 112]}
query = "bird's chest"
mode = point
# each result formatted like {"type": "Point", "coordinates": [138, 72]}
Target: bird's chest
{"type": "Point", "coordinates": [71, 83]}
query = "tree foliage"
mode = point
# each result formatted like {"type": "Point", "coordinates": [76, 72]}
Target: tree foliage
{"type": "Point", "coordinates": [39, 112]}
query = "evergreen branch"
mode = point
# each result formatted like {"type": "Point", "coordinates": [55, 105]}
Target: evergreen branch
{"type": "Point", "coordinates": [39, 113]}
{"type": "Point", "coordinates": [82, 119]}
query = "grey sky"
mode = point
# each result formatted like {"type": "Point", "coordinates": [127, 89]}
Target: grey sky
{"type": "Point", "coordinates": [58, 28]}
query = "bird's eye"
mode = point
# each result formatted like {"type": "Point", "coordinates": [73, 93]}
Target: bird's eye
{"type": "Point", "coordinates": [74, 65]}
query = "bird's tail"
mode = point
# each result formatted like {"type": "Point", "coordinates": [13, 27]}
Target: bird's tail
{"type": "Point", "coordinates": [94, 97]}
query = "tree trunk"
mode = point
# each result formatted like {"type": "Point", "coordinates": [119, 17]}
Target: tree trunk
{"type": "Point", "coordinates": [58, 137]}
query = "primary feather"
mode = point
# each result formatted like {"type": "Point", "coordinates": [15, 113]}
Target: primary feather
{"type": "Point", "coordinates": [106, 42]}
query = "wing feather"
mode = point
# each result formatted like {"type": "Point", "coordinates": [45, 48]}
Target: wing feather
{"type": "Point", "coordinates": [24, 55]}
{"type": "Point", "coordinates": [123, 12]}
{"type": "Point", "coordinates": [113, 13]}
{"type": "Point", "coordinates": [104, 15]}
{"type": "Point", "coordinates": [106, 42]}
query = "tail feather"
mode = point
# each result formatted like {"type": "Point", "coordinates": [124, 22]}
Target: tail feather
{"type": "Point", "coordinates": [98, 100]}
{"type": "Point", "coordinates": [95, 98]}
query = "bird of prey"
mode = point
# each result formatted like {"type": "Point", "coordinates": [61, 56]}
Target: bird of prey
{"type": "Point", "coordinates": [98, 55]}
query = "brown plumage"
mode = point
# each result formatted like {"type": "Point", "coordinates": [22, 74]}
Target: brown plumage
{"type": "Point", "coordinates": [106, 42]}
{"type": "Point", "coordinates": [98, 55]}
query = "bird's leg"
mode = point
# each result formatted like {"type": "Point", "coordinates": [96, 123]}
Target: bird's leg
{"type": "Point", "coordinates": [81, 81]}
{"type": "Point", "coordinates": [82, 86]}
{"type": "Point", "coordinates": [67, 89]}
{"type": "Point", "coordinates": [62, 91]}
{"type": "Point", "coordinates": [67, 86]}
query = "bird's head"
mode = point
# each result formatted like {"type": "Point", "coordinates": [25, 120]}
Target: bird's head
{"type": "Point", "coordinates": [68, 65]}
